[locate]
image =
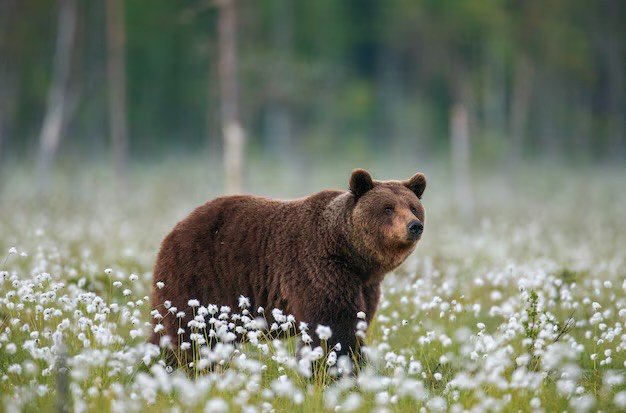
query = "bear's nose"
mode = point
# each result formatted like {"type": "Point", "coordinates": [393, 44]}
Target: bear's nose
{"type": "Point", "coordinates": [415, 229]}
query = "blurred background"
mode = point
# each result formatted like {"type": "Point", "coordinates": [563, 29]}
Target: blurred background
{"type": "Point", "coordinates": [286, 89]}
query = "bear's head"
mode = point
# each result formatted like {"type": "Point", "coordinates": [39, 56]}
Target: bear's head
{"type": "Point", "coordinates": [387, 218]}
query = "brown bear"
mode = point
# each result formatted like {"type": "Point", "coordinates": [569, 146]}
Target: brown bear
{"type": "Point", "coordinates": [320, 258]}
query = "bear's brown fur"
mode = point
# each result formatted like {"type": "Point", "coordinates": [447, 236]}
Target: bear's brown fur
{"type": "Point", "coordinates": [321, 258]}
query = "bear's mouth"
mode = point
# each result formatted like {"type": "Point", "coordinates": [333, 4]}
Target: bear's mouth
{"type": "Point", "coordinates": [409, 242]}
{"type": "Point", "coordinates": [412, 238]}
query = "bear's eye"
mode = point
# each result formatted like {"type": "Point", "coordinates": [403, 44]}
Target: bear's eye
{"type": "Point", "coordinates": [388, 210]}
{"type": "Point", "coordinates": [413, 210]}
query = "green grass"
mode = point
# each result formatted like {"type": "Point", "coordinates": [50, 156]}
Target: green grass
{"type": "Point", "coordinates": [542, 268]}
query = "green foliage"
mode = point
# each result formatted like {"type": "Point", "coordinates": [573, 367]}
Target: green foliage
{"type": "Point", "coordinates": [352, 71]}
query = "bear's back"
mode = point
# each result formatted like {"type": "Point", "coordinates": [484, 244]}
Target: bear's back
{"type": "Point", "coordinates": [240, 245]}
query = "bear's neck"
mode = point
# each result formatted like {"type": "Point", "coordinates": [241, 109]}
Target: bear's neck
{"type": "Point", "coordinates": [343, 249]}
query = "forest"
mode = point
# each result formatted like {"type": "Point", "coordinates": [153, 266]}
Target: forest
{"type": "Point", "coordinates": [490, 82]}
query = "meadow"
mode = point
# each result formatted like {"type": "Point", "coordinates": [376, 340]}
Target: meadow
{"type": "Point", "coordinates": [518, 304]}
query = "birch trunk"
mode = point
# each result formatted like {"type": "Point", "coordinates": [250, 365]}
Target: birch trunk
{"type": "Point", "coordinates": [615, 85]}
{"type": "Point", "coordinates": [460, 146]}
{"type": "Point", "coordinates": [116, 75]}
{"type": "Point", "coordinates": [520, 106]}
{"type": "Point", "coordinates": [56, 107]}
{"type": "Point", "coordinates": [234, 140]}
{"type": "Point", "coordinates": [279, 127]}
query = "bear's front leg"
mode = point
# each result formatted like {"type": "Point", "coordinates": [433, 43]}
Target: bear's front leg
{"type": "Point", "coordinates": [337, 310]}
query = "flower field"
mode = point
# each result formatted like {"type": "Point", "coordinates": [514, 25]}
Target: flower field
{"type": "Point", "coordinates": [516, 305]}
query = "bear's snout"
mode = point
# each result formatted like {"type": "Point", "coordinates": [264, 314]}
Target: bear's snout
{"type": "Point", "coordinates": [415, 229]}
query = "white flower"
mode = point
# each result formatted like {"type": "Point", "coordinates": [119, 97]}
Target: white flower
{"type": "Point", "coordinates": [42, 390]}
{"type": "Point", "coordinates": [158, 328]}
{"type": "Point", "coordinates": [323, 332]}
{"type": "Point", "coordinates": [216, 405]}
{"type": "Point", "coordinates": [127, 292]}
{"type": "Point", "coordinates": [481, 326]}
{"type": "Point", "coordinates": [12, 251]}
{"type": "Point", "coordinates": [360, 315]}
{"type": "Point", "coordinates": [15, 368]}
{"type": "Point", "coordinates": [306, 338]}
{"type": "Point", "coordinates": [415, 367]}
{"type": "Point", "coordinates": [160, 285]}
{"type": "Point", "coordinates": [108, 271]}
{"type": "Point", "coordinates": [137, 333]}
{"type": "Point", "coordinates": [278, 315]}
{"type": "Point", "coordinates": [437, 404]}
{"type": "Point", "coordinates": [351, 403]}
{"type": "Point", "coordinates": [193, 303]}
{"type": "Point", "coordinates": [133, 277]}
{"type": "Point", "coordinates": [331, 359]}
{"type": "Point", "coordinates": [382, 398]}
{"type": "Point", "coordinates": [244, 302]}
{"type": "Point", "coordinates": [620, 399]}
{"type": "Point", "coordinates": [11, 348]}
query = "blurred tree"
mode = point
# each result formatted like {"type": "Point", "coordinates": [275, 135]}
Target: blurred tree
{"type": "Point", "coordinates": [527, 16]}
{"type": "Point", "coordinates": [279, 129]}
{"type": "Point", "coordinates": [460, 145]}
{"type": "Point", "coordinates": [55, 118]}
{"type": "Point", "coordinates": [615, 60]}
{"type": "Point", "coordinates": [453, 33]}
{"type": "Point", "coordinates": [494, 79]}
{"type": "Point", "coordinates": [234, 140]}
{"type": "Point", "coordinates": [494, 92]}
{"type": "Point", "coordinates": [116, 75]}
{"type": "Point", "coordinates": [7, 71]}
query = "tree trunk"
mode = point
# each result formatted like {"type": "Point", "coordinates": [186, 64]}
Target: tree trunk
{"type": "Point", "coordinates": [582, 125]}
{"type": "Point", "coordinates": [615, 84]}
{"type": "Point", "coordinates": [278, 120]}
{"type": "Point", "coordinates": [56, 108]}
{"type": "Point", "coordinates": [234, 139]}
{"type": "Point", "coordinates": [551, 120]}
{"type": "Point", "coordinates": [520, 106]}
{"type": "Point", "coordinates": [7, 72]}
{"type": "Point", "coordinates": [213, 117]}
{"type": "Point", "coordinates": [116, 75]}
{"type": "Point", "coordinates": [389, 106]}
{"type": "Point", "coordinates": [460, 146]}
{"type": "Point", "coordinates": [494, 95]}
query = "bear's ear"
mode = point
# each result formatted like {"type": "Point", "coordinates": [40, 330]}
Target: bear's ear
{"type": "Point", "coordinates": [360, 182]}
{"type": "Point", "coordinates": [417, 184]}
